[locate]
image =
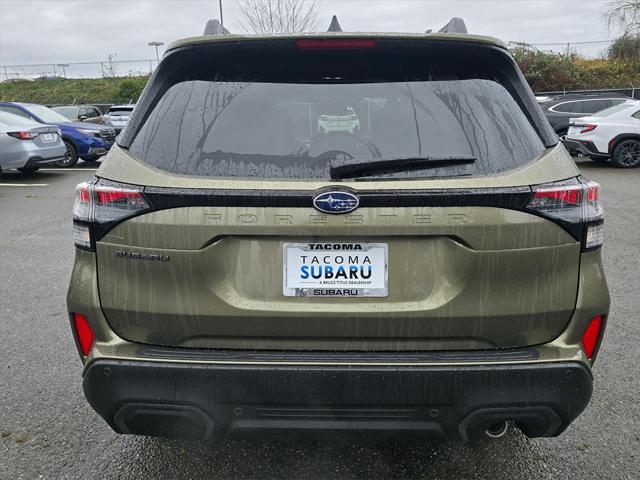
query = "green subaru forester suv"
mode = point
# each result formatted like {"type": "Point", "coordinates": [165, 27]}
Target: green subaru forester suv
{"type": "Point", "coordinates": [434, 273]}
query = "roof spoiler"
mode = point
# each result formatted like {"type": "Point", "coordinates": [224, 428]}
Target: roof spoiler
{"type": "Point", "coordinates": [214, 27]}
{"type": "Point", "coordinates": [455, 25]}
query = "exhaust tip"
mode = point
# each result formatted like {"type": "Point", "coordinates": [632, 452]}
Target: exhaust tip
{"type": "Point", "coordinates": [497, 430]}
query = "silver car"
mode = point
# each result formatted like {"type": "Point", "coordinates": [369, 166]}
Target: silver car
{"type": "Point", "coordinates": [27, 145]}
{"type": "Point", "coordinates": [118, 116]}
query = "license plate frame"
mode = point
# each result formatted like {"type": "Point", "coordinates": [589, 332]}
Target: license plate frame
{"type": "Point", "coordinates": [48, 137]}
{"type": "Point", "coordinates": [369, 258]}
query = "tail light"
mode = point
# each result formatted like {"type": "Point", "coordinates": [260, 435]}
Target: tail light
{"type": "Point", "coordinates": [97, 208]}
{"type": "Point", "coordinates": [575, 205]}
{"type": "Point", "coordinates": [592, 336]}
{"type": "Point", "coordinates": [587, 128]}
{"type": "Point", "coordinates": [23, 135]}
{"type": "Point", "coordinates": [83, 332]}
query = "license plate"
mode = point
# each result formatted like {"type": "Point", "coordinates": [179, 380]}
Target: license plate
{"type": "Point", "coordinates": [335, 269]}
{"type": "Point", "coordinates": [574, 130]}
{"type": "Point", "coordinates": [48, 137]}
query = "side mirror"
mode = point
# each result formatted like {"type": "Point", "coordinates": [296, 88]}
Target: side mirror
{"type": "Point", "coordinates": [82, 118]}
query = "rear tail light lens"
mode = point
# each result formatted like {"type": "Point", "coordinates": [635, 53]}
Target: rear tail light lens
{"type": "Point", "coordinates": [99, 206]}
{"type": "Point", "coordinates": [84, 333]}
{"type": "Point", "coordinates": [587, 128]}
{"type": "Point", "coordinates": [23, 135]}
{"type": "Point", "coordinates": [576, 204]}
{"type": "Point", "coordinates": [81, 236]}
{"type": "Point", "coordinates": [591, 337]}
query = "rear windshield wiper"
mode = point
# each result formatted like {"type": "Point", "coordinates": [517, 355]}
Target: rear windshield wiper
{"type": "Point", "coordinates": [343, 168]}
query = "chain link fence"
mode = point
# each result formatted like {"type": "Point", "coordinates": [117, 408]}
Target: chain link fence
{"type": "Point", "coordinates": [129, 68]}
{"type": "Point", "coordinates": [107, 69]}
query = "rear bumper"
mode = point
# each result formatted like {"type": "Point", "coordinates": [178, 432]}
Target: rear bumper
{"type": "Point", "coordinates": [39, 161]}
{"type": "Point", "coordinates": [204, 400]}
{"type": "Point", "coordinates": [585, 147]}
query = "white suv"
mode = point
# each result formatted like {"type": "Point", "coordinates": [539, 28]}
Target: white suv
{"type": "Point", "coordinates": [612, 133]}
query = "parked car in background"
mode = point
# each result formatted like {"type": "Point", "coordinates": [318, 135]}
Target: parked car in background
{"type": "Point", "coordinates": [560, 109]}
{"type": "Point", "coordinates": [27, 145]}
{"type": "Point", "coordinates": [611, 134]}
{"type": "Point", "coordinates": [83, 140]}
{"type": "Point", "coordinates": [80, 113]}
{"type": "Point", "coordinates": [118, 116]}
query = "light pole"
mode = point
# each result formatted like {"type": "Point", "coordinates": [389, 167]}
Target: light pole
{"type": "Point", "coordinates": [156, 44]}
{"type": "Point", "coordinates": [221, 20]}
{"type": "Point", "coordinates": [64, 71]}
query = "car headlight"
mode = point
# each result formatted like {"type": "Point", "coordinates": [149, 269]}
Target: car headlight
{"type": "Point", "coordinates": [87, 132]}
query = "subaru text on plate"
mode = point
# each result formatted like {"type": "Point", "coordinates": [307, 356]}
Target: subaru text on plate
{"type": "Point", "coordinates": [434, 273]}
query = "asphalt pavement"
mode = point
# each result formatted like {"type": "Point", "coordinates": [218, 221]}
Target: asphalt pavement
{"type": "Point", "coordinates": [48, 431]}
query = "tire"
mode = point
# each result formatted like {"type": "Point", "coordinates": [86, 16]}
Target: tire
{"type": "Point", "coordinates": [627, 154]}
{"type": "Point", "coordinates": [70, 158]}
{"type": "Point", "coordinates": [28, 169]}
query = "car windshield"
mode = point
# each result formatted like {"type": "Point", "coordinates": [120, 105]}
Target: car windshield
{"type": "Point", "coordinates": [611, 110]}
{"type": "Point", "coordinates": [68, 112]}
{"type": "Point", "coordinates": [46, 114]}
{"type": "Point", "coordinates": [294, 130]}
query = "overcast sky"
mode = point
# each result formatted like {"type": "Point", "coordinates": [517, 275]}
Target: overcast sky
{"type": "Point", "coordinates": [56, 31]}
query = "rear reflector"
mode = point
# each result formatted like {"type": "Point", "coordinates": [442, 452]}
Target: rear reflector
{"type": "Point", "coordinates": [591, 336]}
{"type": "Point", "coordinates": [84, 334]}
{"type": "Point", "coordinates": [335, 43]}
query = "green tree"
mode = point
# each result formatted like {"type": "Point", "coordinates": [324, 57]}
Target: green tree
{"type": "Point", "coordinates": [626, 48]}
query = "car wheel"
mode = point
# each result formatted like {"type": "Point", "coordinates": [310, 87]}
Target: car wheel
{"type": "Point", "coordinates": [70, 157]}
{"type": "Point", "coordinates": [627, 154]}
{"type": "Point", "coordinates": [28, 169]}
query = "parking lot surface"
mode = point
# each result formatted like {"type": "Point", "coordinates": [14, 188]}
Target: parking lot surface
{"type": "Point", "coordinates": [48, 430]}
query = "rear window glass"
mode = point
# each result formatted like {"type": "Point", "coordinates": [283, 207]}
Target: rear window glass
{"type": "Point", "coordinates": [120, 111]}
{"type": "Point", "coordinates": [611, 110]}
{"type": "Point", "coordinates": [293, 130]}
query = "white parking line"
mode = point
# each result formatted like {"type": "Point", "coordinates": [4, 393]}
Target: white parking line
{"type": "Point", "coordinates": [67, 169]}
{"type": "Point", "coordinates": [24, 184]}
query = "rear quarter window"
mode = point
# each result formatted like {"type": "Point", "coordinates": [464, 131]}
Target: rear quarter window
{"type": "Point", "coordinates": [224, 128]}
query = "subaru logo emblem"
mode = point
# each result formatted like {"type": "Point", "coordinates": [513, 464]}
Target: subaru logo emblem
{"type": "Point", "coordinates": [336, 202]}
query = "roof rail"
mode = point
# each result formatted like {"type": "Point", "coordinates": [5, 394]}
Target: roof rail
{"type": "Point", "coordinates": [214, 27]}
{"type": "Point", "coordinates": [334, 26]}
{"type": "Point", "coordinates": [455, 25]}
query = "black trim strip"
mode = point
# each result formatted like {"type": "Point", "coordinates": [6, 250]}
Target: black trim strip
{"type": "Point", "coordinates": [168, 197]}
{"type": "Point", "coordinates": [206, 354]}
